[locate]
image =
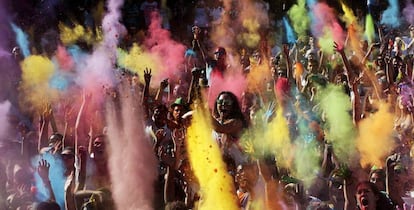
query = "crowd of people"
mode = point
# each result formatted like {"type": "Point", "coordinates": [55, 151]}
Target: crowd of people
{"type": "Point", "coordinates": [220, 104]}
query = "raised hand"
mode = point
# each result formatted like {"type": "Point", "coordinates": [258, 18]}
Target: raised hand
{"type": "Point", "coordinates": [164, 84]}
{"type": "Point", "coordinates": [338, 47]}
{"type": "Point", "coordinates": [43, 170]}
{"type": "Point", "coordinates": [147, 75]}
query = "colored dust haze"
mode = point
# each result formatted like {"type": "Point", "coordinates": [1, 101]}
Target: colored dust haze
{"type": "Point", "coordinates": [258, 76]}
{"type": "Point", "coordinates": [408, 12]}
{"type": "Point", "coordinates": [131, 158]}
{"type": "Point", "coordinates": [375, 140]}
{"type": "Point", "coordinates": [64, 59]}
{"type": "Point", "coordinates": [354, 30]}
{"type": "Point", "coordinates": [369, 28]}
{"type": "Point", "coordinates": [21, 40]}
{"type": "Point", "coordinates": [340, 131]}
{"type": "Point", "coordinates": [280, 144]}
{"type": "Point", "coordinates": [290, 35]}
{"type": "Point", "coordinates": [4, 113]}
{"type": "Point", "coordinates": [298, 14]}
{"type": "Point", "coordinates": [166, 50]}
{"type": "Point", "coordinates": [70, 36]}
{"type": "Point", "coordinates": [136, 60]}
{"type": "Point", "coordinates": [253, 18]}
{"type": "Point", "coordinates": [216, 184]}
{"type": "Point", "coordinates": [391, 16]}
{"type": "Point", "coordinates": [36, 74]}
{"type": "Point", "coordinates": [326, 28]}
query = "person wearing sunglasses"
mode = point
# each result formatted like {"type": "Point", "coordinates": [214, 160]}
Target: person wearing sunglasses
{"type": "Point", "coordinates": [228, 124]}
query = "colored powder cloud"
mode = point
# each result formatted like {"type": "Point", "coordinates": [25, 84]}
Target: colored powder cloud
{"type": "Point", "coordinates": [305, 151]}
{"type": "Point", "coordinates": [280, 144]}
{"type": "Point", "coordinates": [99, 68]}
{"type": "Point", "coordinates": [22, 40]}
{"type": "Point", "coordinates": [348, 16]}
{"type": "Point", "coordinates": [130, 156]}
{"type": "Point", "coordinates": [64, 59]}
{"type": "Point", "coordinates": [4, 112]}
{"type": "Point", "coordinates": [160, 44]}
{"type": "Point", "coordinates": [70, 35]}
{"type": "Point", "coordinates": [113, 30]}
{"type": "Point", "coordinates": [354, 29]}
{"type": "Point", "coordinates": [216, 185]}
{"type": "Point", "coordinates": [75, 53]}
{"type": "Point", "coordinates": [253, 16]}
{"type": "Point", "coordinates": [136, 60]}
{"type": "Point", "coordinates": [93, 74]}
{"type": "Point", "coordinates": [298, 14]}
{"type": "Point", "coordinates": [306, 162]}
{"type": "Point", "coordinates": [391, 16]}
{"type": "Point", "coordinates": [59, 81]}
{"type": "Point", "coordinates": [258, 76]}
{"type": "Point", "coordinates": [375, 139]}
{"type": "Point", "coordinates": [290, 35]}
{"type": "Point", "coordinates": [97, 71]}
{"type": "Point", "coordinates": [408, 12]}
{"type": "Point", "coordinates": [224, 29]}
{"type": "Point", "coordinates": [250, 38]}
{"type": "Point", "coordinates": [232, 81]}
{"type": "Point", "coordinates": [369, 28]}
{"type": "Point", "coordinates": [311, 3]}
{"type": "Point", "coordinates": [340, 131]}
{"type": "Point", "coordinates": [326, 28]}
{"type": "Point", "coordinates": [36, 73]}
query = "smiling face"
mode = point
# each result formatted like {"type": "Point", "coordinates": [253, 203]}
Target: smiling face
{"type": "Point", "coordinates": [224, 105]}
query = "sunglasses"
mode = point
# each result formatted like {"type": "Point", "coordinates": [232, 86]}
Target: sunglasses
{"type": "Point", "coordinates": [224, 102]}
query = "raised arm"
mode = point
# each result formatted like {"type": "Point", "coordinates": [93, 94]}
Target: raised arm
{"type": "Point", "coordinates": [193, 89]}
{"type": "Point", "coordinates": [160, 92]}
{"type": "Point", "coordinates": [145, 95]}
{"type": "Point", "coordinates": [147, 78]}
{"type": "Point", "coordinates": [43, 171]}
{"type": "Point", "coordinates": [353, 83]}
{"type": "Point", "coordinates": [81, 169]}
{"type": "Point", "coordinates": [44, 128]}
